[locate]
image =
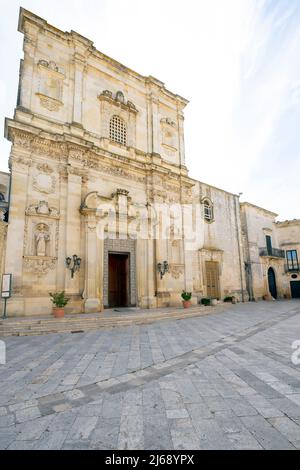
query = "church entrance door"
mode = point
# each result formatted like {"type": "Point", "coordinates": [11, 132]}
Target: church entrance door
{"type": "Point", "coordinates": [118, 279]}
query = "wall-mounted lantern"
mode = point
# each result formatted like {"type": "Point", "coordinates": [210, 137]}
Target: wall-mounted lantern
{"type": "Point", "coordinates": [73, 264]}
{"type": "Point", "coordinates": [163, 268]}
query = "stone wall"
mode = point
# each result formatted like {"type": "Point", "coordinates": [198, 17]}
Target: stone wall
{"type": "Point", "coordinates": [3, 233]}
{"type": "Point", "coordinates": [219, 240]}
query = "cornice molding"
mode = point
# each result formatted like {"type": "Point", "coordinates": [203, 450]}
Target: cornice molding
{"type": "Point", "coordinates": [87, 155]}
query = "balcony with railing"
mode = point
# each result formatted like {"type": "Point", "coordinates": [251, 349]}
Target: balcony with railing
{"type": "Point", "coordinates": [272, 252]}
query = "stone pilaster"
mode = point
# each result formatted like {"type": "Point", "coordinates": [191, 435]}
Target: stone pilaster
{"type": "Point", "coordinates": [72, 217]}
{"type": "Point", "coordinates": [14, 251]}
{"type": "Point", "coordinates": [79, 64]}
{"type": "Point", "coordinates": [3, 229]}
{"type": "Point", "coordinates": [155, 125]}
{"type": "Point", "coordinates": [27, 67]}
{"type": "Point", "coordinates": [146, 273]}
{"type": "Point", "coordinates": [93, 264]}
{"type": "Point", "coordinates": [181, 138]}
{"type": "Point", "coordinates": [161, 254]}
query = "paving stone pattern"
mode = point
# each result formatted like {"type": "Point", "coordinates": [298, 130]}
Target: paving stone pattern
{"type": "Point", "coordinates": [221, 381]}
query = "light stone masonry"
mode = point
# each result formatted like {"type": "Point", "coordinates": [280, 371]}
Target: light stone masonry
{"type": "Point", "coordinates": [98, 170]}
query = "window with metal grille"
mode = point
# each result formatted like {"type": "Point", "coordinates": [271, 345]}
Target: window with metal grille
{"type": "Point", "coordinates": [208, 210]}
{"type": "Point", "coordinates": [292, 260]}
{"type": "Point", "coordinates": [117, 130]}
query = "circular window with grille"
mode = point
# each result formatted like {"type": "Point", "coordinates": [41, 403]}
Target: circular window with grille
{"type": "Point", "coordinates": [117, 130]}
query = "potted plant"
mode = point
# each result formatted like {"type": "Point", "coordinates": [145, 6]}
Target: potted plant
{"type": "Point", "coordinates": [205, 301]}
{"type": "Point", "coordinates": [186, 296]}
{"type": "Point", "coordinates": [230, 298]}
{"type": "Point", "coordinates": [59, 299]}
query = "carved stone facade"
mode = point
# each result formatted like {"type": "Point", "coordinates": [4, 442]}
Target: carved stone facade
{"type": "Point", "coordinates": [79, 189]}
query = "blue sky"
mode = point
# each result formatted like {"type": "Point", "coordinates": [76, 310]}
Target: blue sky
{"type": "Point", "coordinates": [237, 61]}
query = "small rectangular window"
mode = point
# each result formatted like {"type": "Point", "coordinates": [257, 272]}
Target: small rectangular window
{"type": "Point", "coordinates": [292, 260]}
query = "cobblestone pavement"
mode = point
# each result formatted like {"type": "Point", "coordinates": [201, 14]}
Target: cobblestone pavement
{"type": "Point", "coordinates": [223, 381]}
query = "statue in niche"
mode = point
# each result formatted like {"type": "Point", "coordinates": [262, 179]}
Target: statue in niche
{"type": "Point", "coordinates": [41, 237]}
{"type": "Point", "coordinates": [174, 231]}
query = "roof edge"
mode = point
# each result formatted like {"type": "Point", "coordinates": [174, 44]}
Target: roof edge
{"type": "Point", "coordinates": [41, 22]}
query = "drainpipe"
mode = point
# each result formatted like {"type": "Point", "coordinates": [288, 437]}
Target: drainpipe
{"type": "Point", "coordinates": [239, 244]}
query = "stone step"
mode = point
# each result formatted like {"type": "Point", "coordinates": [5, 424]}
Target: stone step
{"type": "Point", "coordinates": [62, 321]}
{"type": "Point", "coordinates": [83, 321]}
{"type": "Point", "coordinates": [87, 318]}
{"type": "Point", "coordinates": [88, 322]}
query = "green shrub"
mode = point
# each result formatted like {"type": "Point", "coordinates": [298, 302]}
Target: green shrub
{"type": "Point", "coordinates": [228, 298]}
{"type": "Point", "coordinates": [59, 299]}
{"type": "Point", "coordinates": [205, 301]}
{"type": "Point", "coordinates": [186, 295]}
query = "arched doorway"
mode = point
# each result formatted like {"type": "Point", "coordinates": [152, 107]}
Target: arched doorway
{"type": "Point", "coordinates": [272, 283]}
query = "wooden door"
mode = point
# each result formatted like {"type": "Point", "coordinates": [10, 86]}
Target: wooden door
{"type": "Point", "coordinates": [118, 279]}
{"type": "Point", "coordinates": [212, 279]}
{"type": "Point", "coordinates": [272, 283]}
{"type": "Point", "coordinates": [295, 289]}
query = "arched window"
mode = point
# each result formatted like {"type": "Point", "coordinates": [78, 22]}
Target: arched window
{"type": "Point", "coordinates": [117, 130]}
{"type": "Point", "coordinates": [208, 212]}
{"type": "Point", "coordinates": [2, 198]}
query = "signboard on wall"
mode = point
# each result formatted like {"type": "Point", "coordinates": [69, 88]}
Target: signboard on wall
{"type": "Point", "coordinates": [6, 286]}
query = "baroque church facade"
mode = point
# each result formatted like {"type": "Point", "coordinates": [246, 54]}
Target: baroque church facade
{"type": "Point", "coordinates": [99, 202]}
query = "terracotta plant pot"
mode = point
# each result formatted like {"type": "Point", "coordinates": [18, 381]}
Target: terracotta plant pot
{"type": "Point", "coordinates": [58, 312]}
{"type": "Point", "coordinates": [186, 303]}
